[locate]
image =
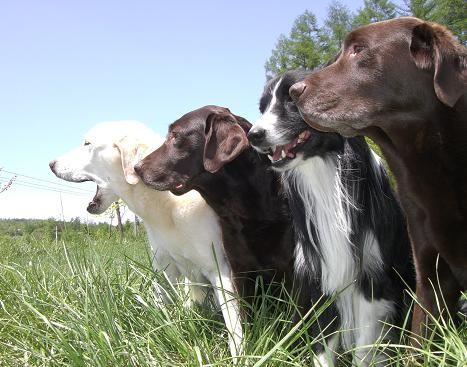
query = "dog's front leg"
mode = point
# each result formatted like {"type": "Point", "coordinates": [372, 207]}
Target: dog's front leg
{"type": "Point", "coordinates": [224, 292]}
{"type": "Point", "coordinates": [163, 262]}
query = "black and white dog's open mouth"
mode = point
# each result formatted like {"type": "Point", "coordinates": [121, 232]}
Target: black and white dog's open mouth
{"type": "Point", "coordinates": [288, 151]}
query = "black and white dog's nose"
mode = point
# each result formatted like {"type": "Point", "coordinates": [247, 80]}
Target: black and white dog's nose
{"type": "Point", "coordinates": [256, 135]}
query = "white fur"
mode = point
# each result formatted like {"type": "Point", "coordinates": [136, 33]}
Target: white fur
{"type": "Point", "coordinates": [268, 120]}
{"type": "Point", "coordinates": [326, 358]}
{"type": "Point", "coordinates": [314, 179]}
{"type": "Point", "coordinates": [183, 231]}
{"type": "Point", "coordinates": [369, 326]}
{"type": "Point", "coordinates": [327, 206]}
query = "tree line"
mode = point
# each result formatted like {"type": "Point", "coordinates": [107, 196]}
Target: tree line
{"type": "Point", "coordinates": [310, 45]}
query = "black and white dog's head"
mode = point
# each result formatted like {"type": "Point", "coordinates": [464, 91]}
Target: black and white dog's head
{"type": "Point", "coordinates": [281, 131]}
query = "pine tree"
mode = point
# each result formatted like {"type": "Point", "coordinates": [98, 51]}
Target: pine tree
{"type": "Point", "coordinates": [422, 9]}
{"type": "Point", "coordinates": [300, 50]}
{"type": "Point", "coordinates": [452, 14]}
{"type": "Point", "coordinates": [375, 11]}
{"type": "Point", "coordinates": [336, 25]}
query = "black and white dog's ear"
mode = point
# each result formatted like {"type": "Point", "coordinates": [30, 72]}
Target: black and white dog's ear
{"type": "Point", "coordinates": [225, 140]}
{"type": "Point", "coordinates": [434, 47]}
{"type": "Point", "coordinates": [131, 152]}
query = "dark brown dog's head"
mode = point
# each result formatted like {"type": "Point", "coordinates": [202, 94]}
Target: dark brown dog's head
{"type": "Point", "coordinates": [393, 70]}
{"type": "Point", "coordinates": [201, 141]}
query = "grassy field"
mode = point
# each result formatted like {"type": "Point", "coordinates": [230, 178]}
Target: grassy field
{"type": "Point", "coordinates": [87, 300]}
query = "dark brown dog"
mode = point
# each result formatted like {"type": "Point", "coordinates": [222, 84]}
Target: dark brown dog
{"type": "Point", "coordinates": [402, 82]}
{"type": "Point", "coordinates": [207, 150]}
{"type": "Point", "coordinates": [199, 153]}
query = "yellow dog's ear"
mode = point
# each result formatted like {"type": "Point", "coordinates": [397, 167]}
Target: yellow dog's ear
{"type": "Point", "coordinates": [131, 152]}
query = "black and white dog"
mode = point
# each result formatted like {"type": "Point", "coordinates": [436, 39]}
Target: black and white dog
{"type": "Point", "coordinates": [350, 230]}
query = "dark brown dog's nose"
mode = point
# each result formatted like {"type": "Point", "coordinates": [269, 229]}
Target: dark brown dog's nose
{"type": "Point", "coordinates": [138, 169]}
{"type": "Point", "coordinates": [297, 90]}
{"type": "Point", "coordinates": [52, 165]}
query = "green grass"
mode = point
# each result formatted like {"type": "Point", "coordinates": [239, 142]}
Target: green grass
{"type": "Point", "coordinates": [86, 300]}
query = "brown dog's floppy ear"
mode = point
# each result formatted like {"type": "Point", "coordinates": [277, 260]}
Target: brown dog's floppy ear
{"type": "Point", "coordinates": [225, 140]}
{"type": "Point", "coordinates": [434, 47]}
{"type": "Point", "coordinates": [131, 152]}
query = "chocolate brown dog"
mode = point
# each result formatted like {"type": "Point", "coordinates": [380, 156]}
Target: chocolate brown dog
{"type": "Point", "coordinates": [402, 82]}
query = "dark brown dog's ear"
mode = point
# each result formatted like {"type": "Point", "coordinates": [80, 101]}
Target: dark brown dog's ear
{"type": "Point", "coordinates": [225, 140]}
{"type": "Point", "coordinates": [244, 123]}
{"type": "Point", "coordinates": [434, 47]}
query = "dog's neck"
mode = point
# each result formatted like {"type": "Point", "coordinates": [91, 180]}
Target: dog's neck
{"type": "Point", "coordinates": [431, 146]}
{"type": "Point", "coordinates": [428, 158]}
{"type": "Point", "coordinates": [154, 207]}
{"type": "Point", "coordinates": [239, 187]}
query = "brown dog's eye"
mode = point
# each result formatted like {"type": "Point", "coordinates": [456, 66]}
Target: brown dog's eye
{"type": "Point", "coordinates": [356, 49]}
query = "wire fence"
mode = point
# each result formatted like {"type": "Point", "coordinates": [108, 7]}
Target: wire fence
{"type": "Point", "coordinates": [14, 178]}
{"type": "Point", "coordinates": [10, 179]}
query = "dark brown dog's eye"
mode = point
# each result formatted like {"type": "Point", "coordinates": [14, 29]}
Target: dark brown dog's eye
{"type": "Point", "coordinates": [356, 49]}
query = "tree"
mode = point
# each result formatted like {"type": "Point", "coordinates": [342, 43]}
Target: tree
{"type": "Point", "coordinates": [453, 14]}
{"type": "Point", "coordinates": [375, 11]}
{"type": "Point", "coordinates": [422, 9]}
{"type": "Point", "coordinates": [300, 50]}
{"type": "Point", "coordinates": [309, 45]}
{"type": "Point", "coordinates": [337, 24]}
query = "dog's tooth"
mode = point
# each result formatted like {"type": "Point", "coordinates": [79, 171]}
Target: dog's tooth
{"type": "Point", "coordinates": [283, 154]}
{"type": "Point", "coordinates": [270, 157]}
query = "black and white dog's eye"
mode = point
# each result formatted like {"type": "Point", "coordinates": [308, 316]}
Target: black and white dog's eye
{"type": "Point", "coordinates": [87, 143]}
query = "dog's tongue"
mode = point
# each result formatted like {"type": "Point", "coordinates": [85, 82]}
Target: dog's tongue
{"type": "Point", "coordinates": [277, 153]}
{"type": "Point", "coordinates": [286, 149]}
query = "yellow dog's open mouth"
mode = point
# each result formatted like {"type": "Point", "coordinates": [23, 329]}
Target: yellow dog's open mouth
{"type": "Point", "coordinates": [94, 206]}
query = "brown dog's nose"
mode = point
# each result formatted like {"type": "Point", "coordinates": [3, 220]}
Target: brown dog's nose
{"type": "Point", "coordinates": [52, 165]}
{"type": "Point", "coordinates": [297, 90]}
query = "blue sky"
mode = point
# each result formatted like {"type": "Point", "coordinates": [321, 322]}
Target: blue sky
{"type": "Point", "coordinates": [67, 65]}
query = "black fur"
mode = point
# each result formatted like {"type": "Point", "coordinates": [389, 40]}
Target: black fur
{"type": "Point", "coordinates": [374, 207]}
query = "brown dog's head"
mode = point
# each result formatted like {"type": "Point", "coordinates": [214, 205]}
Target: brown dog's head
{"type": "Point", "coordinates": [395, 70]}
{"type": "Point", "coordinates": [201, 141]}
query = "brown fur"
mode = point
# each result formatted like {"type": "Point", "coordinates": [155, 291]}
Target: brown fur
{"type": "Point", "coordinates": [402, 82]}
